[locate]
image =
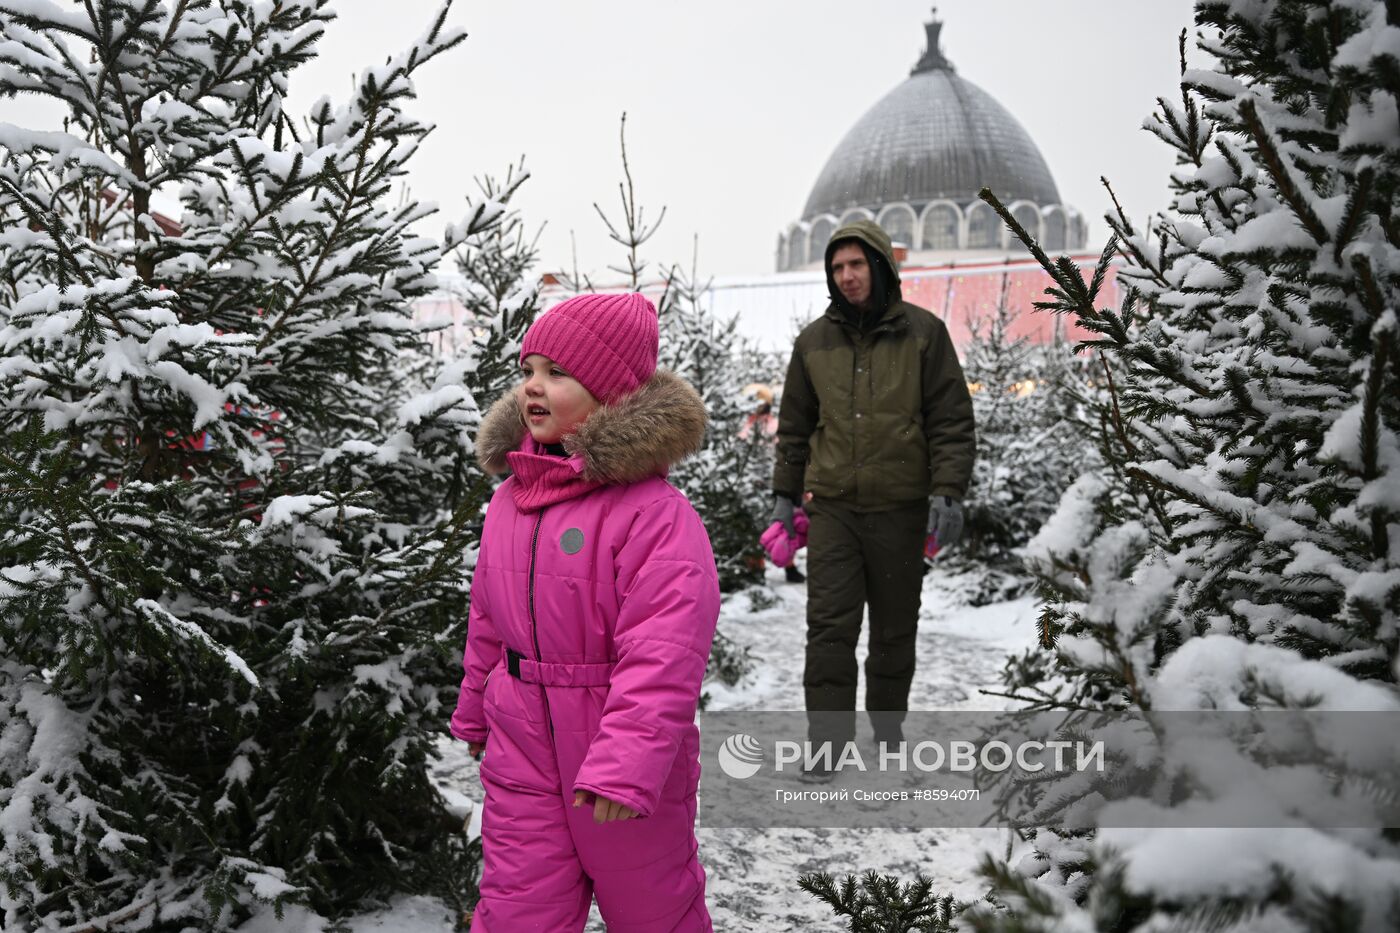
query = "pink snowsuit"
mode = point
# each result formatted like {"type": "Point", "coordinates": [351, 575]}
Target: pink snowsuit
{"type": "Point", "coordinates": [593, 607]}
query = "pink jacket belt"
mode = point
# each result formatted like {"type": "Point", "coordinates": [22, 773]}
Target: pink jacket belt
{"type": "Point", "coordinates": [555, 674]}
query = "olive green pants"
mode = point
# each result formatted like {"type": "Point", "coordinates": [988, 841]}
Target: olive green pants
{"type": "Point", "coordinates": [856, 559]}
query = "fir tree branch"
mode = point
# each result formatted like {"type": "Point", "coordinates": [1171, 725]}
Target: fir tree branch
{"type": "Point", "coordinates": [1358, 207]}
{"type": "Point", "coordinates": [1026, 239]}
{"type": "Point", "coordinates": [1371, 429]}
{"type": "Point", "coordinates": [637, 231]}
{"type": "Point", "coordinates": [1127, 236]}
{"type": "Point", "coordinates": [50, 225]}
{"type": "Point", "coordinates": [175, 16]}
{"type": "Point", "coordinates": [1117, 416]}
{"type": "Point", "coordinates": [352, 196]}
{"type": "Point", "coordinates": [1042, 702]}
{"type": "Point", "coordinates": [1278, 171]}
{"type": "Point", "coordinates": [1371, 297]}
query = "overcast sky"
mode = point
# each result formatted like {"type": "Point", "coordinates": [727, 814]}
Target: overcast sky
{"type": "Point", "coordinates": [733, 106]}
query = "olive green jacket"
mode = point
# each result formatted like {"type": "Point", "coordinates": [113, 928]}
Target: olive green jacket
{"type": "Point", "coordinates": [877, 418]}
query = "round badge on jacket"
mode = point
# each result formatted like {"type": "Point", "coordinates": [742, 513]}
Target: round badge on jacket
{"type": "Point", "coordinates": [571, 541]}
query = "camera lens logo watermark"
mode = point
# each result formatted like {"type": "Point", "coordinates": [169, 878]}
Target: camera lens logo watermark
{"type": "Point", "coordinates": [740, 756]}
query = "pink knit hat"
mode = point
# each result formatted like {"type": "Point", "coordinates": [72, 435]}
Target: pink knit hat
{"type": "Point", "coordinates": [606, 342]}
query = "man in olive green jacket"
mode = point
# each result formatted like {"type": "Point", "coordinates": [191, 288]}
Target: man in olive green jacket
{"type": "Point", "coordinates": [876, 441]}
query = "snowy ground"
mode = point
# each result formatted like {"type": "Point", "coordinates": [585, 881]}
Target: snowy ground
{"type": "Point", "coordinates": [753, 873]}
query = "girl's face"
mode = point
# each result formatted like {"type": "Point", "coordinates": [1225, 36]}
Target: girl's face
{"type": "Point", "coordinates": [553, 402]}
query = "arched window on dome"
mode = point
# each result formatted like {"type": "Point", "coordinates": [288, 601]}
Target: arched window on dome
{"type": "Point", "coordinates": [854, 214]}
{"type": "Point", "coordinates": [822, 229]}
{"type": "Point", "coordinates": [898, 221]}
{"type": "Point", "coordinates": [940, 227]}
{"type": "Point", "coordinates": [1056, 235]}
{"type": "Point", "coordinates": [796, 248]}
{"type": "Point", "coordinates": [1078, 230]}
{"type": "Point", "coordinates": [1028, 216]}
{"type": "Point", "coordinates": [983, 226]}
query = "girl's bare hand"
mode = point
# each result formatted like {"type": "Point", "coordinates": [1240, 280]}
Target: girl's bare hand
{"type": "Point", "coordinates": [475, 749]}
{"type": "Point", "coordinates": [604, 810]}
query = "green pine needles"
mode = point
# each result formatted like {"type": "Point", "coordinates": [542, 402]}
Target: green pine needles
{"type": "Point", "coordinates": [880, 904]}
{"type": "Point", "coordinates": [1238, 548]}
{"type": "Point", "coordinates": [240, 504]}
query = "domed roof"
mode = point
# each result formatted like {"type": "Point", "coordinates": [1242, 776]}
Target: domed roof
{"type": "Point", "coordinates": [936, 135]}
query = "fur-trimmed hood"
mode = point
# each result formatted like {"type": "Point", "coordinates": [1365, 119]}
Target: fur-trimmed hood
{"type": "Point", "coordinates": [639, 435]}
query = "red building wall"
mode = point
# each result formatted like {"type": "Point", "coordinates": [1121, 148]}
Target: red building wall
{"type": "Point", "coordinates": [959, 294]}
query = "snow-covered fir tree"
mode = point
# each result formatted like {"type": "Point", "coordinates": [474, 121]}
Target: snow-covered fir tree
{"type": "Point", "coordinates": [880, 904]}
{"type": "Point", "coordinates": [1030, 400]}
{"type": "Point", "coordinates": [499, 294]}
{"type": "Point", "coordinates": [232, 563]}
{"type": "Point", "coordinates": [1240, 548]}
{"type": "Point", "coordinates": [728, 480]}
{"type": "Point", "coordinates": [497, 286]}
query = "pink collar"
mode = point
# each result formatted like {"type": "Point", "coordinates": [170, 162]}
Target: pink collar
{"type": "Point", "coordinates": [543, 479]}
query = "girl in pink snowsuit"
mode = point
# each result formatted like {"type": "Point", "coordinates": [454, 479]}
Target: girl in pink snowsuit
{"type": "Point", "coordinates": [593, 607]}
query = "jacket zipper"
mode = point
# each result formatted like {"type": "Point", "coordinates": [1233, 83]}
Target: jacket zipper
{"type": "Point", "coordinates": [534, 624]}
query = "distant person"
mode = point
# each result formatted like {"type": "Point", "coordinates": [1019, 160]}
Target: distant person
{"type": "Point", "coordinates": [761, 419]}
{"type": "Point", "coordinates": [593, 607]}
{"type": "Point", "coordinates": [876, 441]}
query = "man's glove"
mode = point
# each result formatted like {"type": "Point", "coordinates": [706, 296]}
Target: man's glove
{"type": "Point", "coordinates": [782, 512]}
{"type": "Point", "coordinates": [945, 520]}
{"type": "Point", "coordinates": [780, 545]}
